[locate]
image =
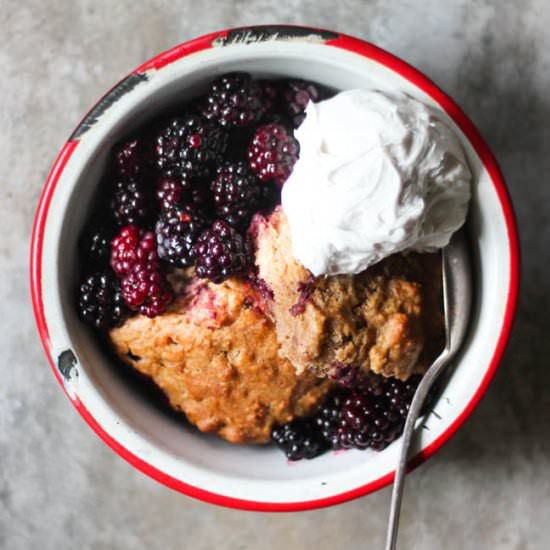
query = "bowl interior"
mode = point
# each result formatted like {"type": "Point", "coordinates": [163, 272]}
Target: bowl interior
{"type": "Point", "coordinates": [125, 411]}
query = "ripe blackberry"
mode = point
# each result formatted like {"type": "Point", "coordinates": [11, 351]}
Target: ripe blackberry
{"type": "Point", "coordinates": [173, 192]}
{"type": "Point", "coordinates": [368, 421]}
{"type": "Point", "coordinates": [177, 230]}
{"type": "Point", "coordinates": [131, 202]}
{"type": "Point", "coordinates": [100, 301]}
{"type": "Point", "coordinates": [350, 376]}
{"type": "Point", "coordinates": [295, 97]}
{"type": "Point", "coordinates": [130, 247]}
{"type": "Point", "coordinates": [95, 246]}
{"type": "Point", "coordinates": [299, 439]}
{"type": "Point", "coordinates": [135, 261]}
{"type": "Point", "coordinates": [190, 147]}
{"type": "Point", "coordinates": [273, 153]}
{"type": "Point", "coordinates": [132, 158]}
{"type": "Point", "coordinates": [235, 99]}
{"type": "Point", "coordinates": [236, 193]}
{"type": "Point", "coordinates": [327, 419]}
{"type": "Point", "coordinates": [221, 252]}
{"type": "Point", "coordinates": [146, 289]}
{"type": "Point", "coordinates": [271, 90]}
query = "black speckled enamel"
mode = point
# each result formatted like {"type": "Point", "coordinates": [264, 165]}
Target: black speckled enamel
{"type": "Point", "coordinates": [109, 99]}
{"type": "Point", "coordinates": [245, 35]}
{"type": "Point", "coordinates": [66, 363]}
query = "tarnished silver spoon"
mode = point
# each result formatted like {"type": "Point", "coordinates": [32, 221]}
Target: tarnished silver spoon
{"type": "Point", "coordinates": [457, 300]}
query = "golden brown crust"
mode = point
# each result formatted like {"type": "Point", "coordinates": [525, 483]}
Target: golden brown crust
{"type": "Point", "coordinates": [376, 320]}
{"type": "Point", "coordinates": [215, 355]}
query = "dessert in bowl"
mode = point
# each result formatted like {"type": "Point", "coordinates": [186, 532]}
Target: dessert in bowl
{"type": "Point", "coordinates": [204, 466]}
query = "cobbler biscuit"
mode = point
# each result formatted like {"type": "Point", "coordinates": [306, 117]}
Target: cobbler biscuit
{"type": "Point", "coordinates": [215, 355]}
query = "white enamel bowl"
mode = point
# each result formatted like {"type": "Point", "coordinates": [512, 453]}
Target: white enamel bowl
{"type": "Point", "coordinates": [204, 466]}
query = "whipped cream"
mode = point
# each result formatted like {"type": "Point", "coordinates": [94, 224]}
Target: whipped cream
{"type": "Point", "coordinates": [377, 174]}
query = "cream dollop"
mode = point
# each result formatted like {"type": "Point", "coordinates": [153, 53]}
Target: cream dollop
{"type": "Point", "coordinates": [377, 174]}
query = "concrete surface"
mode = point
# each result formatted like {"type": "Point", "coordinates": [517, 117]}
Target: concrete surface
{"type": "Point", "coordinates": [62, 488]}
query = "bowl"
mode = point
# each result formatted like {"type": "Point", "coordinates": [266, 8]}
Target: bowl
{"type": "Point", "coordinates": [205, 467]}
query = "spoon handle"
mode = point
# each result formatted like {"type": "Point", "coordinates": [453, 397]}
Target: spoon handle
{"type": "Point", "coordinates": [414, 412]}
{"type": "Point", "coordinates": [457, 299]}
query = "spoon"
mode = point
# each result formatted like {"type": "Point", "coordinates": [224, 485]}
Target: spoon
{"type": "Point", "coordinates": [457, 300]}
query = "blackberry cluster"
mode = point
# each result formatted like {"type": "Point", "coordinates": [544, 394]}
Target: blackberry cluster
{"type": "Point", "coordinates": [177, 230]}
{"type": "Point", "coordinates": [236, 193]}
{"type": "Point", "coordinates": [221, 252]}
{"type": "Point", "coordinates": [182, 193]}
{"type": "Point", "coordinates": [299, 439]}
{"type": "Point", "coordinates": [190, 147]}
{"type": "Point", "coordinates": [100, 301]}
{"type": "Point", "coordinates": [371, 415]}
{"type": "Point", "coordinates": [273, 153]}
{"type": "Point", "coordinates": [235, 99]}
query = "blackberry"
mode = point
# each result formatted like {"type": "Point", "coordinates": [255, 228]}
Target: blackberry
{"type": "Point", "coordinates": [132, 158]}
{"type": "Point", "coordinates": [327, 419]}
{"type": "Point", "coordinates": [235, 99]}
{"type": "Point", "coordinates": [146, 289]}
{"type": "Point", "coordinates": [370, 416]}
{"type": "Point", "coordinates": [135, 261]}
{"type": "Point", "coordinates": [299, 439]}
{"type": "Point", "coordinates": [368, 421]}
{"type": "Point", "coordinates": [95, 246]}
{"type": "Point", "coordinates": [400, 394]}
{"type": "Point", "coordinates": [296, 95]}
{"type": "Point", "coordinates": [190, 147]}
{"type": "Point", "coordinates": [221, 252]}
{"type": "Point", "coordinates": [273, 153]}
{"type": "Point", "coordinates": [271, 90]}
{"type": "Point", "coordinates": [349, 376]}
{"type": "Point", "coordinates": [100, 301]}
{"type": "Point", "coordinates": [177, 230]}
{"type": "Point", "coordinates": [131, 202]}
{"type": "Point", "coordinates": [236, 193]}
{"type": "Point", "coordinates": [239, 140]}
{"type": "Point", "coordinates": [130, 247]}
{"type": "Point", "coordinates": [173, 192]}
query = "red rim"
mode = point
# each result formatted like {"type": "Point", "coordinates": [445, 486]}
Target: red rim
{"type": "Point", "coordinates": [453, 110]}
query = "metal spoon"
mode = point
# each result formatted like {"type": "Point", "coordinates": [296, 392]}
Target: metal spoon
{"type": "Point", "coordinates": [457, 300]}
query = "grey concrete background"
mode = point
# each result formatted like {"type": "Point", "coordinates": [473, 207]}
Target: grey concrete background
{"type": "Point", "coordinates": [61, 488]}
